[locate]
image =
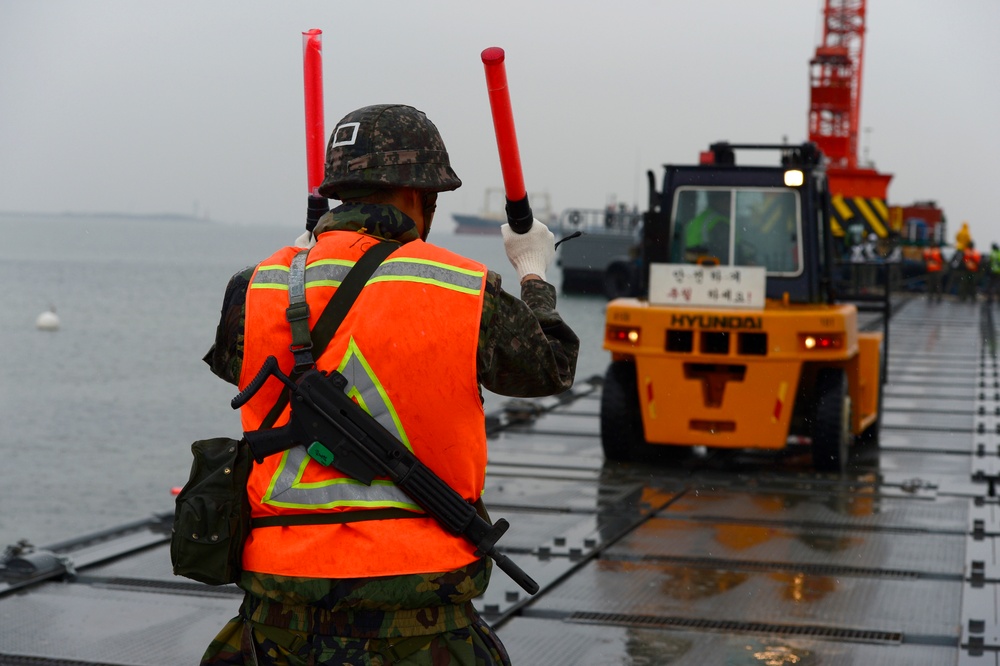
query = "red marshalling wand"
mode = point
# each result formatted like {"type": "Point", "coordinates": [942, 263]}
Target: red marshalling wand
{"type": "Point", "coordinates": [312, 67]}
{"type": "Point", "coordinates": [519, 215]}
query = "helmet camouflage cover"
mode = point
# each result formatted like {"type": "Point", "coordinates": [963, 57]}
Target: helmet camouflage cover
{"type": "Point", "coordinates": [386, 145]}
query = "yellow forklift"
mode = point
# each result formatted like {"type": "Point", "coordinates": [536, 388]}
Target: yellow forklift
{"type": "Point", "coordinates": [734, 335]}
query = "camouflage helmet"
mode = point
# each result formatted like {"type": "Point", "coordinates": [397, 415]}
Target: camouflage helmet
{"type": "Point", "coordinates": [386, 145]}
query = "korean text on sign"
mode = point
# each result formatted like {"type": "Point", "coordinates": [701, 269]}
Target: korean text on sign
{"type": "Point", "coordinates": [707, 286]}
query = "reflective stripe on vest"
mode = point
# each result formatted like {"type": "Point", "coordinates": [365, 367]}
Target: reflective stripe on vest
{"type": "Point", "coordinates": [331, 272]}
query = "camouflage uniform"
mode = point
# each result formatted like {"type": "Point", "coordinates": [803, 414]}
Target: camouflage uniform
{"type": "Point", "coordinates": [525, 349]}
{"type": "Point", "coordinates": [416, 619]}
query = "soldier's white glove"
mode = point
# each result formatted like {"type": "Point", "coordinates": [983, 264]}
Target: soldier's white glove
{"type": "Point", "coordinates": [531, 252]}
{"type": "Point", "coordinates": [306, 240]}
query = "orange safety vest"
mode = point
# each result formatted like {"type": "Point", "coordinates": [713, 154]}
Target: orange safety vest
{"type": "Point", "coordinates": [408, 350]}
{"type": "Point", "coordinates": [971, 259]}
{"type": "Point", "coordinates": [932, 257]}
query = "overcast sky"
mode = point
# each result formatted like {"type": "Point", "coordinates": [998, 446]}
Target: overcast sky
{"type": "Point", "coordinates": [189, 106]}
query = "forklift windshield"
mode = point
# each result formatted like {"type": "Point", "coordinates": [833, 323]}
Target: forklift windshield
{"type": "Point", "coordinates": [739, 227]}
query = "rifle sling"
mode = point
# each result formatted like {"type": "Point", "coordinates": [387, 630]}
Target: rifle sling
{"type": "Point", "coordinates": [335, 311]}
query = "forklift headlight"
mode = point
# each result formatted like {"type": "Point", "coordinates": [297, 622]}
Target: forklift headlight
{"type": "Point", "coordinates": [821, 341]}
{"type": "Point", "coordinates": [629, 334]}
{"type": "Point", "coordinates": [794, 178]}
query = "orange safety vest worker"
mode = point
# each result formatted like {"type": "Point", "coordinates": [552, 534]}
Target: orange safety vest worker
{"type": "Point", "coordinates": [417, 377]}
{"type": "Point", "coordinates": [933, 259]}
{"type": "Point", "coordinates": [971, 259]}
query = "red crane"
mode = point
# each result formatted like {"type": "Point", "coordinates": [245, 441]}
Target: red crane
{"type": "Point", "coordinates": [835, 100]}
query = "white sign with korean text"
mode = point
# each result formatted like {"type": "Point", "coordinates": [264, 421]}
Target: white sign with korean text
{"type": "Point", "coordinates": [707, 286]}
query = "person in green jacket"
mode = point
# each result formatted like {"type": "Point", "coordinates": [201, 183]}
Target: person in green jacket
{"type": "Point", "coordinates": [707, 233]}
{"type": "Point", "coordinates": [993, 286]}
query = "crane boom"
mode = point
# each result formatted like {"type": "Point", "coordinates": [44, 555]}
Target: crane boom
{"type": "Point", "coordinates": [859, 192]}
{"type": "Point", "coordinates": [835, 82]}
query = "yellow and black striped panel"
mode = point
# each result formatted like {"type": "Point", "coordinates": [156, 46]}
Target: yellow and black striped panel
{"type": "Point", "coordinates": [775, 213]}
{"type": "Point", "coordinates": [869, 211]}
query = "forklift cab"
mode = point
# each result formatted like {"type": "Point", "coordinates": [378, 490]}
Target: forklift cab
{"type": "Point", "coordinates": [719, 213]}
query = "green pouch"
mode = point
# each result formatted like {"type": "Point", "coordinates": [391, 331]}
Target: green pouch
{"type": "Point", "coordinates": [212, 516]}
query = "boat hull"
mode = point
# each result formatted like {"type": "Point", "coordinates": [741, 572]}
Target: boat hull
{"type": "Point", "coordinates": [585, 259]}
{"type": "Point", "coordinates": [477, 224]}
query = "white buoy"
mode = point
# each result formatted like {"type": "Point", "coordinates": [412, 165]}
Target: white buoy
{"type": "Point", "coordinates": [48, 320]}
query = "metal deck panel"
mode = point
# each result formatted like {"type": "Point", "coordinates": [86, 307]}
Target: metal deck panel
{"type": "Point", "coordinates": [550, 442]}
{"type": "Point", "coordinates": [902, 375]}
{"type": "Point", "coordinates": [791, 546]}
{"type": "Point", "coordinates": [105, 625]}
{"type": "Point", "coordinates": [935, 405]}
{"type": "Point", "coordinates": [560, 424]}
{"type": "Point", "coordinates": [942, 442]}
{"type": "Point", "coordinates": [926, 610]}
{"type": "Point", "coordinates": [929, 421]}
{"type": "Point", "coordinates": [928, 365]}
{"type": "Point", "coordinates": [562, 643]}
{"type": "Point", "coordinates": [554, 494]}
{"type": "Point", "coordinates": [529, 530]}
{"type": "Point", "coordinates": [152, 565]}
{"type": "Point", "coordinates": [866, 508]}
{"type": "Point", "coordinates": [928, 390]}
{"type": "Point", "coordinates": [566, 458]}
{"type": "Point", "coordinates": [917, 463]}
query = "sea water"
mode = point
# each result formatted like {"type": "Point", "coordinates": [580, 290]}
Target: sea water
{"type": "Point", "coordinates": [97, 418]}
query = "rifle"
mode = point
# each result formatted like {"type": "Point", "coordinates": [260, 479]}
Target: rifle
{"type": "Point", "coordinates": [339, 433]}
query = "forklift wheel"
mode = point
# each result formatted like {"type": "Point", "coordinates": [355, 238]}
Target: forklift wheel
{"type": "Point", "coordinates": [831, 436]}
{"type": "Point", "coordinates": [622, 436]}
{"type": "Point", "coordinates": [870, 437]}
{"type": "Point", "coordinates": [621, 422]}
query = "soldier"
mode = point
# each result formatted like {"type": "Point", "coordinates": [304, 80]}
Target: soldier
{"type": "Point", "coordinates": [381, 582]}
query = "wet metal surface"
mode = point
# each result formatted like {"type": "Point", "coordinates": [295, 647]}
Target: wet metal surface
{"type": "Point", "coordinates": [725, 558]}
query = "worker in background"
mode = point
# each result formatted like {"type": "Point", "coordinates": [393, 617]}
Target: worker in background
{"type": "Point", "coordinates": [934, 265]}
{"type": "Point", "coordinates": [706, 235]}
{"type": "Point", "coordinates": [856, 257]}
{"type": "Point", "coordinates": [425, 335]}
{"type": "Point", "coordinates": [869, 262]}
{"type": "Point", "coordinates": [970, 275]}
{"type": "Point", "coordinates": [893, 261]}
{"type": "Point", "coordinates": [963, 237]}
{"type": "Point", "coordinates": [993, 287]}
